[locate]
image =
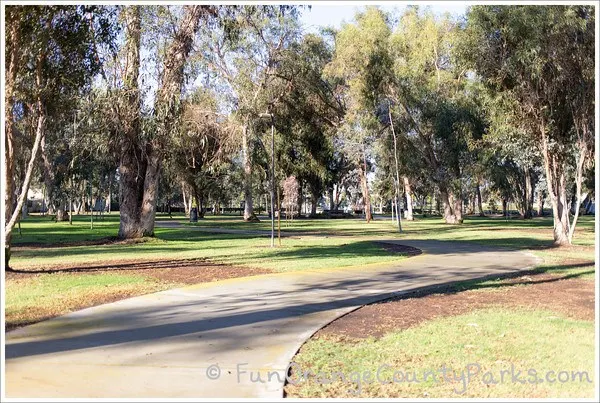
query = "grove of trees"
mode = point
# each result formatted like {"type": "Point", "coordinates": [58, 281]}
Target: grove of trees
{"type": "Point", "coordinates": [150, 106]}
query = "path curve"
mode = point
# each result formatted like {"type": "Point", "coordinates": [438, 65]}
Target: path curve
{"type": "Point", "coordinates": [163, 344]}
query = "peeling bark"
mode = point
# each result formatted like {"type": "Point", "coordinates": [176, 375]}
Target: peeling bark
{"type": "Point", "coordinates": [408, 214]}
{"type": "Point", "coordinates": [365, 188]}
{"type": "Point", "coordinates": [557, 191]}
{"type": "Point", "coordinates": [247, 161]}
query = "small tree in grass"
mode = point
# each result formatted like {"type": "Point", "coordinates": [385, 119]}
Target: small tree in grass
{"type": "Point", "coordinates": [290, 195]}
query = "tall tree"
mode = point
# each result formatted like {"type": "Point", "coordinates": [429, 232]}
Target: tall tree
{"type": "Point", "coordinates": [243, 53]}
{"type": "Point", "coordinates": [543, 58]}
{"type": "Point", "coordinates": [435, 108]}
{"type": "Point", "coordinates": [362, 60]}
{"type": "Point", "coordinates": [143, 147]}
{"type": "Point", "coordinates": [51, 56]}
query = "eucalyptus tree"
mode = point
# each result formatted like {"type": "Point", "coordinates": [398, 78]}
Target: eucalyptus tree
{"type": "Point", "coordinates": [51, 57]}
{"type": "Point", "coordinates": [307, 114]}
{"type": "Point", "coordinates": [435, 102]}
{"type": "Point", "coordinates": [542, 57]}
{"type": "Point", "coordinates": [201, 147]}
{"type": "Point", "coordinates": [507, 146]}
{"type": "Point", "coordinates": [361, 60]}
{"type": "Point", "coordinates": [243, 54]}
{"type": "Point", "coordinates": [142, 134]}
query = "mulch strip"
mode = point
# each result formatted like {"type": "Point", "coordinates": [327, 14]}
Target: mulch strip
{"type": "Point", "coordinates": [573, 297]}
{"type": "Point", "coordinates": [403, 249]}
{"type": "Point", "coordinates": [189, 271]}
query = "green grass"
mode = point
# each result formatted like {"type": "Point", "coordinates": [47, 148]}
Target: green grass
{"type": "Point", "coordinates": [493, 339]}
{"type": "Point", "coordinates": [343, 242]}
{"type": "Point", "coordinates": [487, 230]}
{"type": "Point", "coordinates": [37, 297]}
{"type": "Point", "coordinates": [295, 254]}
{"type": "Point", "coordinates": [37, 229]}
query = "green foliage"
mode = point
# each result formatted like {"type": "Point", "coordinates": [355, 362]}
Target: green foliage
{"type": "Point", "coordinates": [539, 58]}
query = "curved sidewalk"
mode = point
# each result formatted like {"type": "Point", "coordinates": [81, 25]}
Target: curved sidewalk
{"type": "Point", "coordinates": [169, 344]}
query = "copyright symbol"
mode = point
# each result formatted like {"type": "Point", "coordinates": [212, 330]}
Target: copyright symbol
{"type": "Point", "coordinates": [213, 372]}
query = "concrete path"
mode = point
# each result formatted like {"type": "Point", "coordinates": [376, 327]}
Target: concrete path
{"type": "Point", "coordinates": [173, 343]}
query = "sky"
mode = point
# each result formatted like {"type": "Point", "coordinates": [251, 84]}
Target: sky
{"type": "Point", "coordinates": [334, 15]}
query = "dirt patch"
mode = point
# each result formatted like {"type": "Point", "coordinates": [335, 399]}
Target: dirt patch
{"type": "Point", "coordinates": [187, 270]}
{"type": "Point", "coordinates": [110, 240]}
{"type": "Point", "coordinates": [190, 271]}
{"type": "Point", "coordinates": [405, 250]}
{"type": "Point", "coordinates": [573, 297]}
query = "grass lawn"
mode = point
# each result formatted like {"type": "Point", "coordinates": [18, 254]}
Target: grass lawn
{"type": "Point", "coordinates": [32, 298]}
{"type": "Point", "coordinates": [343, 242]}
{"type": "Point", "coordinates": [483, 343]}
{"type": "Point", "coordinates": [48, 244]}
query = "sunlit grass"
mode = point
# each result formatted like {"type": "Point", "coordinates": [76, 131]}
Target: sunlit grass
{"type": "Point", "coordinates": [34, 298]}
{"type": "Point", "coordinates": [329, 243]}
{"type": "Point", "coordinates": [483, 341]}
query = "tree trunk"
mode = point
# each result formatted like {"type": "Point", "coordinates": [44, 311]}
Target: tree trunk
{"type": "Point", "coordinates": [479, 201]}
{"type": "Point", "coordinates": [540, 203]}
{"type": "Point", "coordinates": [48, 175]}
{"type": "Point", "coordinates": [24, 210]}
{"type": "Point", "coordinates": [132, 164]}
{"type": "Point", "coordinates": [166, 109]}
{"type": "Point", "coordinates": [132, 171]}
{"type": "Point", "coordinates": [61, 213]}
{"type": "Point", "coordinates": [331, 199]}
{"type": "Point", "coordinates": [200, 206]}
{"type": "Point", "coordinates": [504, 208]}
{"type": "Point", "coordinates": [150, 194]}
{"type": "Point", "coordinates": [365, 188]}
{"type": "Point", "coordinates": [408, 214]}
{"type": "Point", "coordinates": [452, 207]}
{"type": "Point", "coordinates": [185, 202]}
{"type": "Point", "coordinates": [247, 161]}
{"type": "Point", "coordinates": [528, 207]}
{"type": "Point", "coordinates": [12, 57]}
{"type": "Point", "coordinates": [338, 196]}
{"type": "Point", "coordinates": [448, 215]}
{"type": "Point", "coordinates": [397, 169]}
{"type": "Point", "coordinates": [458, 210]}
{"type": "Point", "coordinates": [555, 180]}
{"type": "Point", "coordinates": [300, 199]}
{"type": "Point", "coordinates": [578, 181]}
{"type": "Point", "coordinates": [109, 197]}
{"type": "Point", "coordinates": [313, 205]}
{"type": "Point", "coordinates": [139, 191]}
{"type": "Point", "coordinates": [39, 135]}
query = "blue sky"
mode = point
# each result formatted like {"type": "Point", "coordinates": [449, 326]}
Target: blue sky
{"type": "Point", "coordinates": [333, 15]}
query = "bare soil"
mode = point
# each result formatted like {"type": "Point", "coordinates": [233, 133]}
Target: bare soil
{"type": "Point", "coordinates": [405, 250]}
{"type": "Point", "coordinates": [111, 240]}
{"type": "Point", "coordinates": [189, 271]}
